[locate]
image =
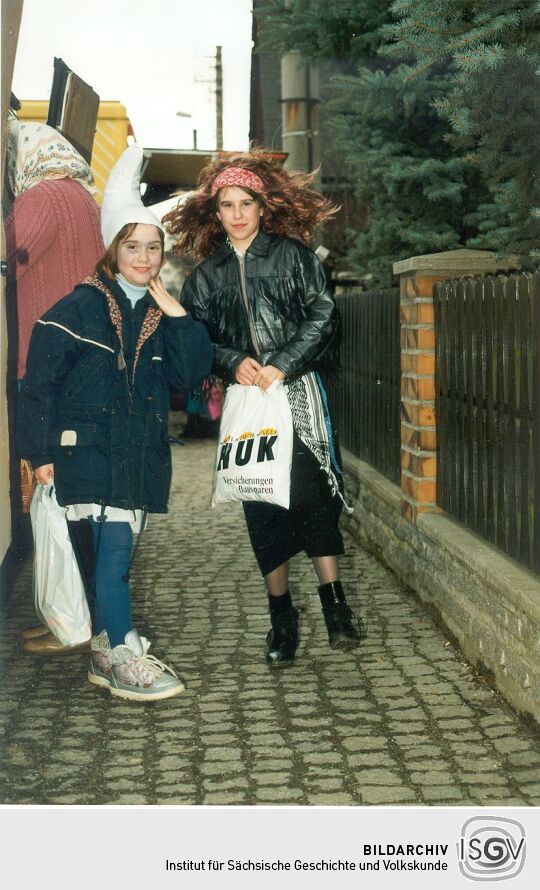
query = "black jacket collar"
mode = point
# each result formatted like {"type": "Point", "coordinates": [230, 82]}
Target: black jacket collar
{"type": "Point", "coordinates": [259, 247]}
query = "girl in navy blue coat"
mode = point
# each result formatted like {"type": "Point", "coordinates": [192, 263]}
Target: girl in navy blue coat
{"type": "Point", "coordinates": [93, 416]}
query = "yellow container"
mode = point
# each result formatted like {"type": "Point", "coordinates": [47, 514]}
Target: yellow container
{"type": "Point", "coordinates": [112, 129]}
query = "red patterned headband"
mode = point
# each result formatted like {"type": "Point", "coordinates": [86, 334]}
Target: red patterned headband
{"type": "Point", "coordinates": [237, 176]}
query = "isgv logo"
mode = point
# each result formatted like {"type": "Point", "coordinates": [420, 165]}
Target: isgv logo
{"type": "Point", "coordinates": [491, 848]}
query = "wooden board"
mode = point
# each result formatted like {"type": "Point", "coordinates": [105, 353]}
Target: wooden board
{"type": "Point", "coordinates": [73, 109]}
{"type": "Point", "coordinates": [79, 116]}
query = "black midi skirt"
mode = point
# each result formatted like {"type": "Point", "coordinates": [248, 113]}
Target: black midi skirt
{"type": "Point", "coordinates": [310, 524]}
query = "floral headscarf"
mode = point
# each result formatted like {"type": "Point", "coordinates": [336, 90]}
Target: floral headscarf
{"type": "Point", "coordinates": [36, 152]}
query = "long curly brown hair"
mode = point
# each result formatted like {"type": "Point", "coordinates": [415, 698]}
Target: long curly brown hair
{"type": "Point", "coordinates": [289, 205]}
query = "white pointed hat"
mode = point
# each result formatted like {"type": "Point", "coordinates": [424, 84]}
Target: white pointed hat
{"type": "Point", "coordinates": [122, 202]}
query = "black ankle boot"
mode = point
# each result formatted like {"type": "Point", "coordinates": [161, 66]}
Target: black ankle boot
{"type": "Point", "coordinates": [282, 638]}
{"type": "Point", "coordinates": [345, 630]}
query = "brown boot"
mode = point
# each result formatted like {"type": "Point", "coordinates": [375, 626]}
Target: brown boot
{"type": "Point", "coordinates": [30, 633]}
{"type": "Point", "coordinates": [49, 645]}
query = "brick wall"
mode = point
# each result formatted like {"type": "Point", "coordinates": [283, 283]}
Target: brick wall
{"type": "Point", "coordinates": [489, 603]}
{"type": "Point", "coordinates": [418, 433]}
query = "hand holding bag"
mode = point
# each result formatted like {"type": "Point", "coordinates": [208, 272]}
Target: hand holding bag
{"type": "Point", "coordinates": [254, 453]}
{"type": "Point", "coordinates": [59, 593]}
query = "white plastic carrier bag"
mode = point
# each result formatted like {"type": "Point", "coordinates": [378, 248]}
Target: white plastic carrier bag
{"type": "Point", "coordinates": [254, 453]}
{"type": "Point", "coordinates": [59, 592]}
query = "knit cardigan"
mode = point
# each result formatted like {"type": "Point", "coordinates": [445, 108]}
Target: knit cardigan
{"type": "Point", "coordinates": [53, 241]}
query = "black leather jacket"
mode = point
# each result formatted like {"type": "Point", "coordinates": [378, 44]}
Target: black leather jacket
{"type": "Point", "coordinates": [273, 304]}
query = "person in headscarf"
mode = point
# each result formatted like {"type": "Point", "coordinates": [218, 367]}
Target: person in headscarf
{"type": "Point", "coordinates": [53, 241]}
{"type": "Point", "coordinates": [263, 295]}
{"type": "Point", "coordinates": [93, 415]}
{"type": "Point", "coordinates": [53, 236]}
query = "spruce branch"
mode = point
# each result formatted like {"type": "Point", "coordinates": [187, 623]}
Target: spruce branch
{"type": "Point", "coordinates": [416, 72]}
{"type": "Point", "coordinates": [423, 27]}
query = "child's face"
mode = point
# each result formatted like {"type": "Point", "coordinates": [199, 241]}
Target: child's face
{"type": "Point", "coordinates": [239, 214]}
{"type": "Point", "coordinates": [140, 255]}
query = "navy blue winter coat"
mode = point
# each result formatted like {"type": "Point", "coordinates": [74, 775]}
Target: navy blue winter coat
{"type": "Point", "coordinates": [95, 397]}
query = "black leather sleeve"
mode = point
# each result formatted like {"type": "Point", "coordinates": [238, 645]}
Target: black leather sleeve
{"type": "Point", "coordinates": [195, 299]}
{"type": "Point", "coordinates": [320, 323]}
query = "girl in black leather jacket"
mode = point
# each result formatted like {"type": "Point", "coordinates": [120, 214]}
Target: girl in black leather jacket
{"type": "Point", "coordinates": [263, 297]}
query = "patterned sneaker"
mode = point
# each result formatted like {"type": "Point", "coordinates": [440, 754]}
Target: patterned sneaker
{"type": "Point", "coordinates": [100, 670]}
{"type": "Point", "coordinates": [137, 676]}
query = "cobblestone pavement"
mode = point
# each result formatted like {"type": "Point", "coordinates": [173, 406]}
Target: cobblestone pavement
{"type": "Point", "coordinates": [403, 720]}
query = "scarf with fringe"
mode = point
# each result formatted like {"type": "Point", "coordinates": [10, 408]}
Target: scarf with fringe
{"type": "Point", "coordinates": [311, 420]}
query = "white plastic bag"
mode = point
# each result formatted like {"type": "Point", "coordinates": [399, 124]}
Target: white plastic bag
{"type": "Point", "coordinates": [59, 592]}
{"type": "Point", "coordinates": [254, 452]}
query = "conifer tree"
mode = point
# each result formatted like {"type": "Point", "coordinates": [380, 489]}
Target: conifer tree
{"type": "Point", "coordinates": [325, 29]}
{"type": "Point", "coordinates": [418, 190]}
{"type": "Point", "coordinates": [492, 50]}
{"type": "Point", "coordinates": [438, 121]}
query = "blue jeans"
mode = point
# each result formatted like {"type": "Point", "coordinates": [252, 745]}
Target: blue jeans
{"type": "Point", "coordinates": [112, 611]}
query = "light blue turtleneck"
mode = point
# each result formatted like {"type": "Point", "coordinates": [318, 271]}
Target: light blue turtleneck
{"type": "Point", "coordinates": [133, 292]}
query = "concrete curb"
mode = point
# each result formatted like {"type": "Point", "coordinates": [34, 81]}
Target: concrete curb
{"type": "Point", "coordinates": [489, 602]}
